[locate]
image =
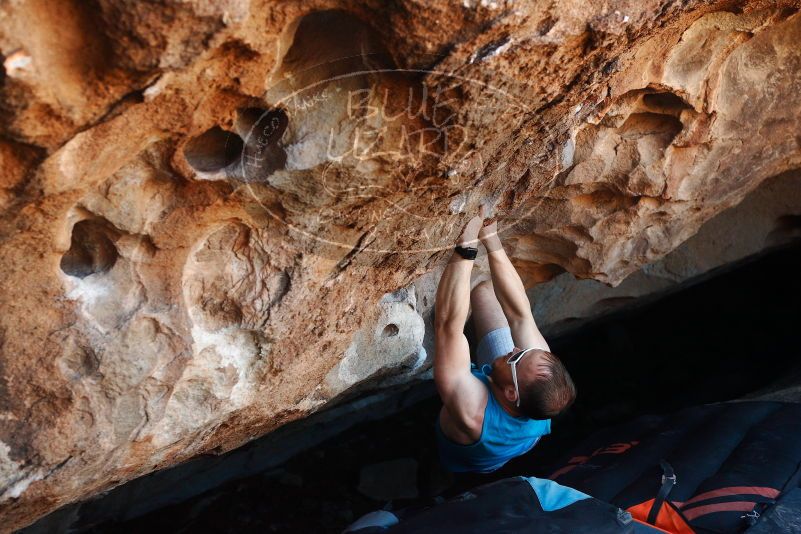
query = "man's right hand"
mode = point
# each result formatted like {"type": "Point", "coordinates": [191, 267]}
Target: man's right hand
{"type": "Point", "coordinates": [489, 237]}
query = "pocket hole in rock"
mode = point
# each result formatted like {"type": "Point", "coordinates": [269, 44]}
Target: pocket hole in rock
{"type": "Point", "coordinates": [330, 43]}
{"type": "Point", "coordinates": [664, 102]}
{"type": "Point", "coordinates": [213, 150]}
{"type": "Point", "coordinates": [91, 250]}
{"type": "Point", "coordinates": [262, 130]}
{"type": "Point", "coordinates": [391, 330]}
{"type": "Point", "coordinates": [651, 124]}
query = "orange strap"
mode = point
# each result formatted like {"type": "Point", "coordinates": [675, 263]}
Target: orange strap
{"type": "Point", "coordinates": [668, 520]}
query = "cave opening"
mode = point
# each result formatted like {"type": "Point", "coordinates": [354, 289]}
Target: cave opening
{"type": "Point", "coordinates": [91, 251]}
{"type": "Point", "coordinates": [730, 336]}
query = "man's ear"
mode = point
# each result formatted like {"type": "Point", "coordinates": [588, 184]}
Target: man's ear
{"type": "Point", "coordinates": [509, 393]}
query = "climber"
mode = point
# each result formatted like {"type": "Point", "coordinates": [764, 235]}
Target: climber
{"type": "Point", "coordinates": [498, 407]}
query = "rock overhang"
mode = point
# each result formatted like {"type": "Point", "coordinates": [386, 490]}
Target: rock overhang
{"type": "Point", "coordinates": [162, 299]}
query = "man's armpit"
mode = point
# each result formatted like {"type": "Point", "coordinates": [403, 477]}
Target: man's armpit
{"type": "Point", "coordinates": [457, 430]}
{"type": "Point", "coordinates": [468, 401]}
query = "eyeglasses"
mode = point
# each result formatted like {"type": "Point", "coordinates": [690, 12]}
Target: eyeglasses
{"type": "Point", "coordinates": [513, 361]}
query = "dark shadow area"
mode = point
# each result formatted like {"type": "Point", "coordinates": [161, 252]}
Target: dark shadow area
{"type": "Point", "coordinates": [91, 249]}
{"type": "Point", "coordinates": [715, 341]}
{"type": "Point", "coordinates": [214, 150]}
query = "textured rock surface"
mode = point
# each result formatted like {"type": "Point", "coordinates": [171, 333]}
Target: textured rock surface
{"type": "Point", "coordinates": [211, 209]}
{"type": "Point", "coordinates": [762, 221]}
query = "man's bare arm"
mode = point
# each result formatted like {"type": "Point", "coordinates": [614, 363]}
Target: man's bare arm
{"type": "Point", "coordinates": [460, 391]}
{"type": "Point", "coordinates": [511, 293]}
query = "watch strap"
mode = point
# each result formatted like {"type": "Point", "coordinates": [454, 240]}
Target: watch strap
{"type": "Point", "coordinates": [468, 253]}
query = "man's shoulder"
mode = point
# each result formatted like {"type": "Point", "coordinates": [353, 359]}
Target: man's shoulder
{"type": "Point", "coordinates": [468, 415]}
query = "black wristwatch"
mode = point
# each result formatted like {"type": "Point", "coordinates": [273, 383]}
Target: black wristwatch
{"type": "Point", "coordinates": [468, 253]}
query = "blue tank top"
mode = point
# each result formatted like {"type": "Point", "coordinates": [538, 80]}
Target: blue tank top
{"type": "Point", "coordinates": [503, 437]}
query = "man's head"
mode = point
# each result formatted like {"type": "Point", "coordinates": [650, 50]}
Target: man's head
{"type": "Point", "coordinates": [546, 389]}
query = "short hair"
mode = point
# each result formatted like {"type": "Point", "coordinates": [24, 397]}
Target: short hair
{"type": "Point", "coordinates": [551, 393]}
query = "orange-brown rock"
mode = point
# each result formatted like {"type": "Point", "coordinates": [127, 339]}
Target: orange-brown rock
{"type": "Point", "coordinates": [218, 217]}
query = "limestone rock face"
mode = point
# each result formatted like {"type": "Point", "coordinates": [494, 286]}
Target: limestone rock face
{"type": "Point", "coordinates": [218, 217]}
